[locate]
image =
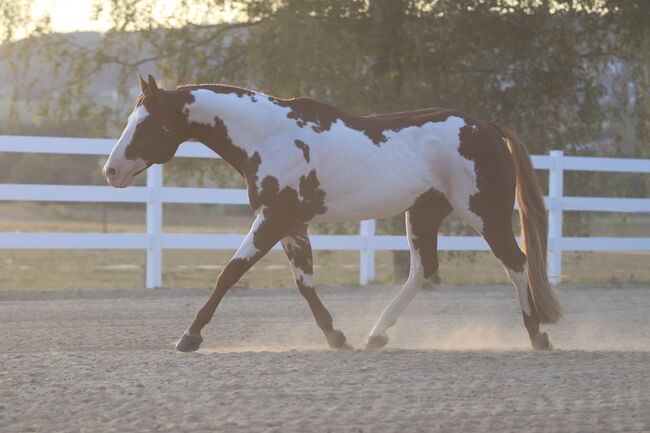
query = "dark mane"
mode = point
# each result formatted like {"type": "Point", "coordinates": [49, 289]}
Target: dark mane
{"type": "Point", "coordinates": [219, 88]}
{"type": "Point", "coordinates": [140, 99]}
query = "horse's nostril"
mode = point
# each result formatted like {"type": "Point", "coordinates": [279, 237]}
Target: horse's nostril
{"type": "Point", "coordinates": [111, 172]}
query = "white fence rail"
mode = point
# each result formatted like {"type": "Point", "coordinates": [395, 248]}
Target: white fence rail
{"type": "Point", "coordinates": [366, 242]}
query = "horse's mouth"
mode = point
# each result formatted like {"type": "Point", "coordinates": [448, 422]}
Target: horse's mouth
{"type": "Point", "coordinates": [122, 173]}
{"type": "Point", "coordinates": [149, 164]}
{"type": "Point", "coordinates": [128, 179]}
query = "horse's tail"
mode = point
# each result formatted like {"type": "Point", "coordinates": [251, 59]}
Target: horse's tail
{"type": "Point", "coordinates": [534, 230]}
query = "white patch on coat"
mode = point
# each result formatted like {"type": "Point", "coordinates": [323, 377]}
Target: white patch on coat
{"type": "Point", "coordinates": [307, 280]}
{"type": "Point", "coordinates": [361, 180]}
{"type": "Point", "coordinates": [299, 275]}
{"type": "Point", "coordinates": [413, 284]}
{"type": "Point", "coordinates": [247, 249]}
{"type": "Point", "coordinates": [520, 280]}
{"type": "Point", "coordinates": [117, 160]}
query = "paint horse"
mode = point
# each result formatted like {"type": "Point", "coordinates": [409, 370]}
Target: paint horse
{"type": "Point", "coordinates": [305, 161]}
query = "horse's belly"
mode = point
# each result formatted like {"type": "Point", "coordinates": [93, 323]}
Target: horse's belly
{"type": "Point", "coordinates": [372, 197]}
{"type": "Point", "coordinates": [361, 208]}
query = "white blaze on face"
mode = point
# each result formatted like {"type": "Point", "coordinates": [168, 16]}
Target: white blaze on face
{"type": "Point", "coordinates": [118, 170]}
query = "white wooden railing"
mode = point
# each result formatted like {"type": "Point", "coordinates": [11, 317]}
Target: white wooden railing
{"type": "Point", "coordinates": [366, 242]}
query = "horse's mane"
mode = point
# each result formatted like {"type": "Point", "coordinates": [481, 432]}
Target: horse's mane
{"type": "Point", "coordinates": [218, 88]}
{"type": "Point", "coordinates": [140, 99]}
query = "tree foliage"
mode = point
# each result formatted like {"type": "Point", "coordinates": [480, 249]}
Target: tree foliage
{"type": "Point", "coordinates": [541, 67]}
{"type": "Point", "coordinates": [562, 73]}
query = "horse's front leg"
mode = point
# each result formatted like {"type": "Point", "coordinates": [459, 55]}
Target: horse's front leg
{"type": "Point", "coordinates": [259, 240]}
{"type": "Point", "coordinates": [298, 250]}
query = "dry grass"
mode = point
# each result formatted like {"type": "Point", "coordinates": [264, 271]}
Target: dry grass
{"type": "Point", "coordinates": [57, 269]}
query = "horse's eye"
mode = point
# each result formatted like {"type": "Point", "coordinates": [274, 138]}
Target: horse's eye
{"type": "Point", "coordinates": [166, 129]}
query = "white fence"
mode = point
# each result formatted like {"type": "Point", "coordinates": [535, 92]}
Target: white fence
{"type": "Point", "coordinates": [366, 242]}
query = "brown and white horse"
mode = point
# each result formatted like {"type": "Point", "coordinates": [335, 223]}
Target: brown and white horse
{"type": "Point", "coordinates": [305, 161]}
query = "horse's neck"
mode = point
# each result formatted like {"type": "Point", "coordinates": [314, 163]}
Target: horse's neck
{"type": "Point", "coordinates": [248, 119]}
{"type": "Point", "coordinates": [235, 126]}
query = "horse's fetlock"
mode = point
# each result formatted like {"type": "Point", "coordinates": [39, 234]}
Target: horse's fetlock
{"type": "Point", "coordinates": [202, 318]}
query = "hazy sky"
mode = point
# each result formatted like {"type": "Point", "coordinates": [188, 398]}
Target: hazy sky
{"type": "Point", "coordinates": [72, 15]}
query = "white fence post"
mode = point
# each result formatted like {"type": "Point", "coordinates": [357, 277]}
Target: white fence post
{"type": "Point", "coordinates": [154, 226]}
{"type": "Point", "coordinates": [367, 253]}
{"type": "Point", "coordinates": [555, 194]}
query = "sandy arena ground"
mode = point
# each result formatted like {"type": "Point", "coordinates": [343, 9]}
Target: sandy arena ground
{"type": "Point", "coordinates": [458, 361]}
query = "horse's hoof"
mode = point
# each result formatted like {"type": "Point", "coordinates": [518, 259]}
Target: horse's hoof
{"type": "Point", "coordinates": [188, 343]}
{"type": "Point", "coordinates": [337, 340]}
{"type": "Point", "coordinates": [541, 342]}
{"type": "Point", "coordinates": [376, 342]}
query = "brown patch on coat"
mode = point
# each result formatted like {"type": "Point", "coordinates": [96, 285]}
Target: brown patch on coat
{"type": "Point", "coordinates": [313, 202]}
{"type": "Point", "coordinates": [299, 251]}
{"type": "Point", "coordinates": [251, 166]}
{"type": "Point", "coordinates": [284, 210]}
{"type": "Point", "coordinates": [305, 149]}
{"type": "Point", "coordinates": [150, 141]}
{"type": "Point", "coordinates": [495, 180]}
{"type": "Point", "coordinates": [306, 110]}
{"type": "Point", "coordinates": [425, 217]}
{"type": "Point", "coordinates": [321, 117]}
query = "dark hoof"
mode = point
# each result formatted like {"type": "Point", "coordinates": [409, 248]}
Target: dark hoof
{"type": "Point", "coordinates": [337, 340]}
{"type": "Point", "coordinates": [376, 342]}
{"type": "Point", "coordinates": [188, 343]}
{"type": "Point", "coordinates": [541, 342]}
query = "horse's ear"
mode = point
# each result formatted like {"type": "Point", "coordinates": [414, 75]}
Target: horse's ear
{"type": "Point", "coordinates": [143, 84]}
{"type": "Point", "coordinates": [153, 87]}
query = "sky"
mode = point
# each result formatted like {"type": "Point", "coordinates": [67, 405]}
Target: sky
{"type": "Point", "coordinates": [72, 15]}
{"type": "Point", "coordinates": [75, 15]}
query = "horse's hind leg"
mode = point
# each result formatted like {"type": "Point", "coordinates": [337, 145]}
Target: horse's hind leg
{"type": "Point", "coordinates": [504, 246]}
{"type": "Point", "coordinates": [422, 223]}
{"type": "Point", "coordinates": [298, 250]}
{"type": "Point", "coordinates": [496, 228]}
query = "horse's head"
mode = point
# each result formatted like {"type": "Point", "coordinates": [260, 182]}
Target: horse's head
{"type": "Point", "coordinates": [152, 135]}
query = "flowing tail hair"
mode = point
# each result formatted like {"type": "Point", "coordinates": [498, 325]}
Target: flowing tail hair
{"type": "Point", "coordinates": [534, 230]}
